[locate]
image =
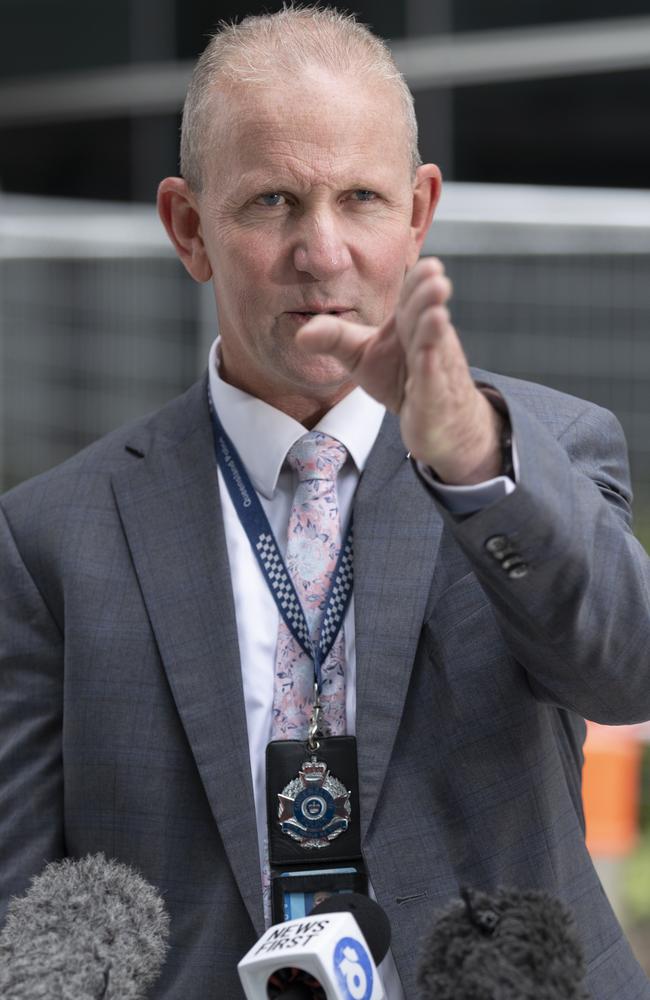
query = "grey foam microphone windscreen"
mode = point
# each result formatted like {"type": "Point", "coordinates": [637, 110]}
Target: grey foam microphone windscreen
{"type": "Point", "coordinates": [87, 929]}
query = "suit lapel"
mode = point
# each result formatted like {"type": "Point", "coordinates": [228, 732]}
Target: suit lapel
{"type": "Point", "coordinates": [170, 509]}
{"type": "Point", "coordinates": [396, 535]}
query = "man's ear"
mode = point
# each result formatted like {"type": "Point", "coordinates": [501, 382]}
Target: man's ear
{"type": "Point", "coordinates": [426, 192]}
{"type": "Point", "coordinates": [179, 214]}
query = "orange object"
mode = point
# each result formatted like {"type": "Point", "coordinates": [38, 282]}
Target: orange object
{"type": "Point", "coordinates": [610, 789]}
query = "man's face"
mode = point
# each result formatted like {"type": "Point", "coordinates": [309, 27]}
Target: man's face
{"type": "Point", "coordinates": [306, 207]}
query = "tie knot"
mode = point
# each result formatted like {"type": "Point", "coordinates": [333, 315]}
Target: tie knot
{"type": "Point", "coordinates": [316, 456]}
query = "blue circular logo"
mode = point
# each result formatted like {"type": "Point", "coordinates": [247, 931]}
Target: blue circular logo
{"type": "Point", "coordinates": [353, 969]}
{"type": "Point", "coordinates": [314, 809]}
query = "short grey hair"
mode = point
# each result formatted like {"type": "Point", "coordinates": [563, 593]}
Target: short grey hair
{"type": "Point", "coordinates": [278, 45]}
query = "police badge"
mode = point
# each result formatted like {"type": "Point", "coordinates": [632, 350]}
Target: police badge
{"type": "Point", "coordinates": [319, 801]}
{"type": "Point", "coordinates": [314, 808]}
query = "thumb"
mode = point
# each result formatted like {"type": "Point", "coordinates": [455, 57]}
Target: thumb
{"type": "Point", "coordinates": [336, 337]}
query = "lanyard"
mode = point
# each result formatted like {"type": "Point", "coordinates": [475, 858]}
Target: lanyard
{"type": "Point", "coordinates": [265, 548]}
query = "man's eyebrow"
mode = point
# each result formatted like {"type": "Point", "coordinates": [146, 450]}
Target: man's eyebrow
{"type": "Point", "coordinates": [254, 183]}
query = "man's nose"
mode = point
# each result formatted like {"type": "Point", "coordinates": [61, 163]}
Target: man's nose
{"type": "Point", "coordinates": [320, 248]}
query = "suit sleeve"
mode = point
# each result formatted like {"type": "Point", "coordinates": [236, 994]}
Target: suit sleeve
{"type": "Point", "coordinates": [31, 672]}
{"type": "Point", "coordinates": [569, 583]}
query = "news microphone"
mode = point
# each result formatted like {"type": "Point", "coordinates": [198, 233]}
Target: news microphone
{"type": "Point", "coordinates": [332, 954]}
{"type": "Point", "coordinates": [512, 945]}
{"type": "Point", "coordinates": [87, 929]}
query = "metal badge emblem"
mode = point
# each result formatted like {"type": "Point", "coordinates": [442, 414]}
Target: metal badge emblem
{"type": "Point", "coordinates": [315, 807]}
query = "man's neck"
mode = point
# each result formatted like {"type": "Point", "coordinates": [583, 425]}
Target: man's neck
{"type": "Point", "coordinates": [306, 409]}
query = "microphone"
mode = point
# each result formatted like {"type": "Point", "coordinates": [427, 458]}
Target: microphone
{"type": "Point", "coordinates": [87, 929]}
{"type": "Point", "coordinates": [332, 954]}
{"type": "Point", "coordinates": [515, 945]}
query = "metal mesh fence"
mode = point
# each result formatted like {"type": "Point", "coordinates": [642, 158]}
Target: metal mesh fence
{"type": "Point", "coordinates": [578, 323]}
{"type": "Point", "coordinates": [86, 346]}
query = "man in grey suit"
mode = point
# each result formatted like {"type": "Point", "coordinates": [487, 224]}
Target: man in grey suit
{"type": "Point", "coordinates": [495, 604]}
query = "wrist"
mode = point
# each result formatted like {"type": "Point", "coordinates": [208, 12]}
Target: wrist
{"type": "Point", "coordinates": [486, 452]}
{"type": "Point", "coordinates": [498, 403]}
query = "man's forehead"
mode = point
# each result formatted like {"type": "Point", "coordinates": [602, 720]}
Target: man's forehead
{"type": "Point", "coordinates": [300, 164]}
{"type": "Point", "coordinates": [313, 97]}
{"type": "Point", "coordinates": [313, 79]}
{"type": "Point", "coordinates": [295, 131]}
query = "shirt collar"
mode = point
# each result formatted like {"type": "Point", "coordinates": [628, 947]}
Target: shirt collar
{"type": "Point", "coordinates": [263, 435]}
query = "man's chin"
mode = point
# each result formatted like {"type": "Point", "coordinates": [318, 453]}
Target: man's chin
{"type": "Point", "coordinates": [285, 376]}
{"type": "Point", "coordinates": [319, 379]}
{"type": "Point", "coordinates": [308, 391]}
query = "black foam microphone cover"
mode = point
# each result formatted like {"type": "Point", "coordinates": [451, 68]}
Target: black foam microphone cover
{"type": "Point", "coordinates": [510, 945]}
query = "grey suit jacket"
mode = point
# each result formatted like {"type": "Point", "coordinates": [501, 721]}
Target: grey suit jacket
{"type": "Point", "coordinates": [122, 723]}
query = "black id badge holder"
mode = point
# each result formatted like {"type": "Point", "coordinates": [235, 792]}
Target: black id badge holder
{"type": "Point", "coordinates": [312, 800]}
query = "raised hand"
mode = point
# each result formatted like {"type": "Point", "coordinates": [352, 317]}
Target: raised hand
{"type": "Point", "coordinates": [415, 365]}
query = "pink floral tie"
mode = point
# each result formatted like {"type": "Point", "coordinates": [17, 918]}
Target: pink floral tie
{"type": "Point", "coordinates": [313, 545]}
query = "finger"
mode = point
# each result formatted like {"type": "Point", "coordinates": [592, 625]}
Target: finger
{"type": "Point", "coordinates": [433, 290]}
{"type": "Point", "coordinates": [338, 338]}
{"type": "Point", "coordinates": [433, 327]}
{"type": "Point", "coordinates": [436, 348]}
{"type": "Point", "coordinates": [440, 383]}
{"type": "Point", "coordinates": [426, 267]}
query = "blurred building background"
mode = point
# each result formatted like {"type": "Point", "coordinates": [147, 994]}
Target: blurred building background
{"type": "Point", "coordinates": [537, 112]}
{"type": "Point", "coordinates": [523, 91]}
{"type": "Point", "coordinates": [97, 321]}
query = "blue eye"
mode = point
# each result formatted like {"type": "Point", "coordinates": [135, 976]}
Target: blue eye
{"type": "Point", "coordinates": [363, 195]}
{"type": "Point", "coordinates": [271, 200]}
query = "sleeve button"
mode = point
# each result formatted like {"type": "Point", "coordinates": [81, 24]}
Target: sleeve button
{"type": "Point", "coordinates": [521, 569]}
{"type": "Point", "coordinates": [498, 546]}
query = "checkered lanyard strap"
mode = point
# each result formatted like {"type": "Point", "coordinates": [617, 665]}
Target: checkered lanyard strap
{"type": "Point", "coordinates": [312, 595]}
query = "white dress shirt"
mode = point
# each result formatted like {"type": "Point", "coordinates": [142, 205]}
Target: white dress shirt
{"type": "Point", "coordinates": [262, 436]}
